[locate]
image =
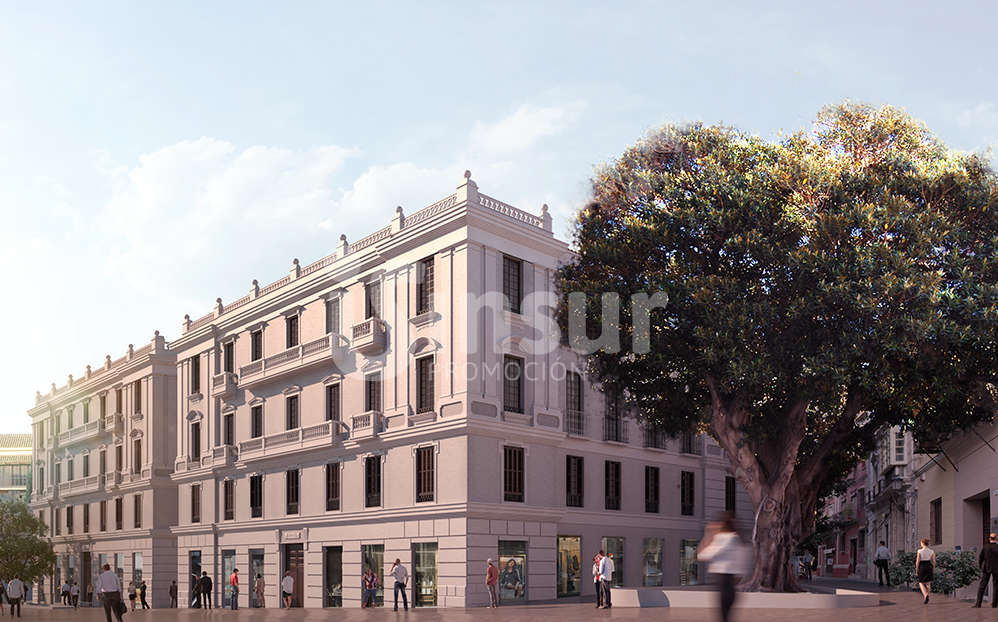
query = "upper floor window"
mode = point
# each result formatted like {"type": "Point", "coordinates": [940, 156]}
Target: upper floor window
{"type": "Point", "coordinates": [256, 421]}
{"type": "Point", "coordinates": [58, 424]}
{"type": "Point", "coordinates": [86, 412]}
{"type": "Point", "coordinates": [138, 511]}
{"type": "Point", "coordinates": [291, 325]}
{"type": "Point", "coordinates": [333, 315]}
{"type": "Point", "coordinates": [513, 476]}
{"type": "Point", "coordinates": [372, 482]}
{"type": "Point", "coordinates": [69, 417]}
{"type": "Point", "coordinates": [196, 373]}
{"type": "Point", "coordinates": [612, 485]}
{"type": "Point", "coordinates": [372, 399]}
{"type": "Point", "coordinates": [86, 518]}
{"type": "Point", "coordinates": [196, 503]}
{"type": "Point", "coordinates": [292, 412]}
{"type": "Point", "coordinates": [573, 397]}
{"type": "Point", "coordinates": [103, 406]}
{"type": "Point", "coordinates": [137, 456]}
{"type": "Point", "coordinates": [574, 481]}
{"type": "Point", "coordinates": [256, 496]}
{"type": "Point", "coordinates": [424, 474]}
{"type": "Point", "coordinates": [333, 402]}
{"type": "Point", "coordinates": [119, 513]}
{"type": "Point", "coordinates": [196, 441]}
{"type": "Point", "coordinates": [651, 489]}
{"type": "Point", "coordinates": [86, 465]}
{"type": "Point", "coordinates": [512, 384]}
{"type": "Point", "coordinates": [229, 357]}
{"type": "Point", "coordinates": [686, 495]}
{"type": "Point", "coordinates": [229, 499]}
{"type": "Point", "coordinates": [256, 345]}
{"type": "Point", "coordinates": [729, 494]}
{"type": "Point", "coordinates": [332, 486]}
{"type": "Point", "coordinates": [69, 520]}
{"type": "Point", "coordinates": [119, 457]}
{"type": "Point", "coordinates": [138, 396]}
{"type": "Point", "coordinates": [118, 401]}
{"type": "Point", "coordinates": [228, 429]}
{"type": "Point", "coordinates": [424, 369]}
{"type": "Point", "coordinates": [511, 283]}
{"type": "Point", "coordinates": [103, 515]}
{"type": "Point", "coordinates": [292, 491]}
{"type": "Point", "coordinates": [424, 286]}
{"type": "Point", "coordinates": [69, 470]}
{"type": "Point", "coordinates": [103, 461]}
{"type": "Point", "coordinates": [372, 299]}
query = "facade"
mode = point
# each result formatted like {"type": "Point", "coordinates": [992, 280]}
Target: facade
{"type": "Point", "coordinates": [957, 489]}
{"type": "Point", "coordinates": [15, 465]}
{"type": "Point", "coordinates": [846, 553]}
{"type": "Point", "coordinates": [103, 451]}
{"type": "Point", "coordinates": [407, 397]}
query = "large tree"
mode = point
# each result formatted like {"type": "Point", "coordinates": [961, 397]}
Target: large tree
{"type": "Point", "coordinates": [819, 286]}
{"type": "Point", "coordinates": [24, 548]}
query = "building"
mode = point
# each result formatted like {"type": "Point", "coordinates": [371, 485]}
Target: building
{"type": "Point", "coordinates": [103, 452]}
{"type": "Point", "coordinates": [15, 465]}
{"type": "Point", "coordinates": [957, 485]}
{"type": "Point", "coordinates": [846, 553]}
{"type": "Point", "coordinates": [407, 397]}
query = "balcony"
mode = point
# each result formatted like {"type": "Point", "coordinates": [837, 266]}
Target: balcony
{"type": "Point", "coordinates": [370, 337]}
{"type": "Point", "coordinates": [615, 430]}
{"type": "Point", "coordinates": [50, 492]}
{"type": "Point", "coordinates": [223, 385]}
{"type": "Point", "coordinates": [51, 443]}
{"type": "Point", "coordinates": [367, 426]}
{"type": "Point", "coordinates": [324, 434]}
{"type": "Point", "coordinates": [80, 433]}
{"type": "Point", "coordinates": [84, 485]}
{"type": "Point", "coordinates": [654, 438]}
{"type": "Point", "coordinates": [576, 423]}
{"type": "Point", "coordinates": [114, 423]}
{"type": "Point", "coordinates": [223, 455]}
{"type": "Point", "coordinates": [330, 348]}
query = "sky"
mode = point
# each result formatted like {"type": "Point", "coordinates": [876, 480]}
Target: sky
{"type": "Point", "coordinates": [157, 156]}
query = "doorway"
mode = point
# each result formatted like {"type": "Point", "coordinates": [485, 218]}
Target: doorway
{"type": "Point", "coordinates": [294, 562]}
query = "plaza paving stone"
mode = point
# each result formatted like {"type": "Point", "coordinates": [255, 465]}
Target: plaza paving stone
{"type": "Point", "coordinates": [895, 606]}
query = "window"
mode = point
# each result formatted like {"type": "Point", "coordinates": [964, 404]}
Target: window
{"type": "Point", "coordinates": [332, 487]}
{"type": "Point", "coordinates": [229, 357]}
{"type": "Point", "coordinates": [511, 269]}
{"type": "Point", "coordinates": [573, 397]}
{"type": "Point", "coordinates": [651, 489]}
{"type": "Point", "coordinates": [291, 492]}
{"type": "Point", "coordinates": [729, 494]}
{"type": "Point", "coordinates": [119, 457]}
{"type": "Point", "coordinates": [372, 299]}
{"type": "Point", "coordinates": [686, 492]}
{"type": "Point", "coordinates": [69, 417]}
{"type": "Point", "coordinates": [229, 499]}
{"type": "Point", "coordinates": [256, 496]}
{"type": "Point", "coordinates": [86, 465]}
{"type": "Point", "coordinates": [138, 396]}
{"type": "Point", "coordinates": [936, 521]}
{"type": "Point", "coordinates": [103, 461]}
{"type": "Point", "coordinates": [614, 425]}
{"type": "Point", "coordinates": [228, 429]}
{"type": "Point", "coordinates": [291, 327]}
{"type": "Point", "coordinates": [195, 373]}
{"type": "Point", "coordinates": [138, 511]}
{"type": "Point", "coordinates": [692, 444]}
{"type": "Point", "coordinates": [574, 481]}
{"type": "Point", "coordinates": [58, 521]}
{"type": "Point", "coordinates": [512, 384]}
{"type": "Point", "coordinates": [86, 412]}
{"type": "Point", "coordinates": [333, 402]}
{"type": "Point", "coordinates": [256, 414]}
{"type": "Point", "coordinates": [372, 399]}
{"type": "Point", "coordinates": [118, 398]}
{"type": "Point", "coordinates": [333, 315]}
{"type": "Point", "coordinates": [58, 424]}
{"type": "Point", "coordinates": [291, 408]}
{"type": "Point", "coordinates": [256, 345]}
{"type": "Point", "coordinates": [70, 476]}
{"type": "Point", "coordinates": [424, 475]}
{"type": "Point", "coordinates": [103, 515]}
{"type": "Point", "coordinates": [119, 513]}
{"type": "Point", "coordinates": [196, 503]}
{"type": "Point", "coordinates": [69, 520]}
{"type": "Point", "coordinates": [137, 455]}
{"type": "Point", "coordinates": [512, 481]}
{"type": "Point", "coordinates": [612, 485]}
{"type": "Point", "coordinates": [424, 286]}
{"type": "Point", "coordinates": [86, 518]}
{"type": "Point", "coordinates": [103, 406]}
{"type": "Point", "coordinates": [58, 473]}
{"type": "Point", "coordinates": [424, 374]}
{"type": "Point", "coordinates": [899, 448]}
{"type": "Point", "coordinates": [372, 482]}
{"type": "Point", "coordinates": [196, 441]}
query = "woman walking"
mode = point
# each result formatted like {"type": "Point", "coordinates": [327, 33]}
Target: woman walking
{"type": "Point", "coordinates": [131, 593]}
{"type": "Point", "coordinates": [259, 588]}
{"type": "Point", "coordinates": [925, 564]}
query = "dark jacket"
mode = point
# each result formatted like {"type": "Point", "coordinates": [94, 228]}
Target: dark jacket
{"type": "Point", "coordinates": [989, 557]}
{"type": "Point", "coordinates": [205, 584]}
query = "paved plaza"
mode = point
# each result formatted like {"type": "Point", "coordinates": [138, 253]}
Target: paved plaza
{"type": "Point", "coordinates": [895, 606]}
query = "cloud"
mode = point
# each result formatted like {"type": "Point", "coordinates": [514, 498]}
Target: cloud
{"type": "Point", "coordinates": [517, 132]}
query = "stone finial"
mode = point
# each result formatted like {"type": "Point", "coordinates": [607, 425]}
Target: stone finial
{"type": "Point", "coordinates": [546, 219]}
{"type": "Point", "coordinates": [398, 221]}
{"type": "Point", "coordinates": [156, 333]}
{"type": "Point", "coordinates": [467, 174]}
{"type": "Point", "coordinates": [343, 247]}
{"type": "Point", "coordinates": [544, 208]}
{"type": "Point", "coordinates": [70, 381]}
{"type": "Point", "coordinates": [467, 190]}
{"type": "Point", "coordinates": [53, 388]}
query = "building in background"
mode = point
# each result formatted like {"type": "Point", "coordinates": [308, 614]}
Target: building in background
{"type": "Point", "coordinates": [15, 465]}
{"type": "Point", "coordinates": [407, 397]}
{"type": "Point", "coordinates": [103, 451]}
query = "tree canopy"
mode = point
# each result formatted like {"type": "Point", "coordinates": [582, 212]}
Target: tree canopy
{"type": "Point", "coordinates": [819, 286]}
{"type": "Point", "coordinates": [24, 547]}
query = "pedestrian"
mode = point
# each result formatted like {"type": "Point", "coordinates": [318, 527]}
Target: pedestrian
{"type": "Point", "coordinates": [724, 550]}
{"type": "Point", "coordinates": [287, 588]}
{"type": "Point", "coordinates": [234, 584]}
{"type": "Point", "coordinates": [65, 593]}
{"type": "Point", "coordinates": [3, 592]}
{"type": "Point", "coordinates": [15, 592]}
{"type": "Point", "coordinates": [143, 588]}
{"type": "Point", "coordinates": [109, 591]}
{"type": "Point", "coordinates": [401, 581]}
{"type": "Point", "coordinates": [882, 560]}
{"type": "Point", "coordinates": [370, 588]}
{"type": "Point", "coordinates": [90, 594]}
{"type": "Point", "coordinates": [259, 588]}
{"type": "Point", "coordinates": [925, 564]}
{"type": "Point", "coordinates": [205, 590]}
{"type": "Point", "coordinates": [605, 570]}
{"type": "Point", "coordinates": [74, 592]}
{"type": "Point", "coordinates": [173, 595]}
{"type": "Point", "coordinates": [596, 582]}
{"type": "Point", "coordinates": [808, 560]}
{"type": "Point", "coordinates": [131, 593]}
{"type": "Point", "coordinates": [492, 583]}
{"type": "Point", "coordinates": [988, 559]}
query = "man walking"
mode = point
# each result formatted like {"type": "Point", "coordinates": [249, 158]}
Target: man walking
{"type": "Point", "coordinates": [15, 592]}
{"type": "Point", "coordinates": [882, 559]}
{"type": "Point", "coordinates": [287, 589]}
{"type": "Point", "coordinates": [205, 590]}
{"type": "Point", "coordinates": [234, 584]}
{"type": "Point", "coordinates": [109, 591]}
{"type": "Point", "coordinates": [988, 559]}
{"type": "Point", "coordinates": [492, 583]}
{"type": "Point", "coordinates": [173, 595]}
{"type": "Point", "coordinates": [401, 581]}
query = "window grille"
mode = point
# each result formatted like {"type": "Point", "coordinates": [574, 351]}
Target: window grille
{"type": "Point", "coordinates": [513, 474]}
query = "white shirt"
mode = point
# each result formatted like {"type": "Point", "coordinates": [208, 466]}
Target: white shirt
{"type": "Point", "coordinates": [604, 574]}
{"type": "Point", "coordinates": [108, 582]}
{"type": "Point", "coordinates": [609, 568]}
{"type": "Point", "coordinates": [75, 590]}
{"type": "Point", "coordinates": [15, 588]}
{"type": "Point", "coordinates": [400, 573]}
{"type": "Point", "coordinates": [288, 584]}
{"type": "Point", "coordinates": [882, 553]}
{"type": "Point", "coordinates": [725, 553]}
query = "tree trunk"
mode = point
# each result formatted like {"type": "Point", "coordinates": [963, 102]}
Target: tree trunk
{"type": "Point", "coordinates": [776, 533]}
